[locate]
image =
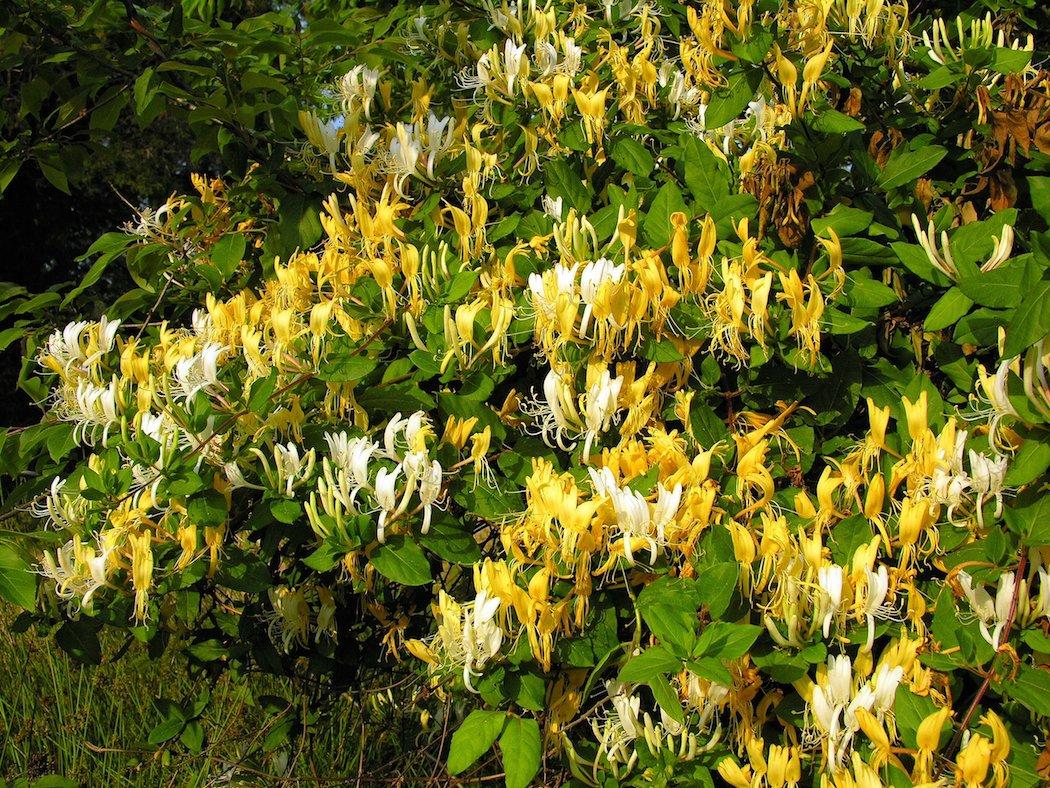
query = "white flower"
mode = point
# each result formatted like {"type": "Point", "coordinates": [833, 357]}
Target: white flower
{"type": "Point", "coordinates": [552, 412]}
{"type": "Point", "coordinates": [289, 470]}
{"type": "Point", "coordinates": [546, 289]}
{"type": "Point", "coordinates": [877, 588]}
{"type": "Point", "coordinates": [621, 726]}
{"type": "Point", "coordinates": [552, 206]}
{"type": "Point", "coordinates": [235, 476]}
{"type": "Point", "coordinates": [357, 88]}
{"type": "Point", "coordinates": [1043, 602]}
{"type": "Point", "coordinates": [107, 335]}
{"type": "Point", "coordinates": [403, 434]}
{"type": "Point", "coordinates": [864, 699]}
{"type": "Point", "coordinates": [603, 481]}
{"type": "Point", "coordinates": [64, 509]}
{"type": "Point", "coordinates": [468, 635]}
{"type": "Point", "coordinates": [991, 614]}
{"type": "Point", "coordinates": [830, 580]}
{"type": "Point", "coordinates": [545, 56]}
{"type": "Point", "coordinates": [482, 636]}
{"type": "Point", "coordinates": [601, 408]}
{"type": "Point", "coordinates": [840, 679]}
{"type": "Point", "coordinates": [65, 345]}
{"type": "Point", "coordinates": [77, 570]}
{"type": "Point", "coordinates": [634, 521]}
{"type": "Point", "coordinates": [480, 77]}
{"type": "Point", "coordinates": [594, 275]}
{"type": "Point", "coordinates": [666, 509]}
{"type": "Point", "coordinates": [200, 321]}
{"type": "Point", "coordinates": [949, 489]}
{"type": "Point", "coordinates": [682, 97]}
{"type": "Point", "coordinates": [429, 491]}
{"type": "Point", "coordinates": [941, 258]}
{"type": "Point", "coordinates": [513, 56]}
{"type": "Point", "coordinates": [405, 150]}
{"type": "Point", "coordinates": [90, 406]}
{"type": "Point", "coordinates": [439, 140]}
{"type": "Point", "coordinates": [1004, 245]}
{"type": "Point", "coordinates": [199, 372]}
{"type": "Point", "coordinates": [387, 497]}
{"type": "Point", "coordinates": [573, 56]}
{"type": "Point", "coordinates": [884, 686]}
{"type": "Point", "coordinates": [987, 476]}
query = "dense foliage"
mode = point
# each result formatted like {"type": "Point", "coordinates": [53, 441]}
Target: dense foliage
{"type": "Point", "coordinates": [652, 393]}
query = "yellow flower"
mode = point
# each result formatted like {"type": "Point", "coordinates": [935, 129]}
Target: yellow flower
{"type": "Point", "coordinates": [141, 570]}
{"type": "Point", "coordinates": [973, 761]}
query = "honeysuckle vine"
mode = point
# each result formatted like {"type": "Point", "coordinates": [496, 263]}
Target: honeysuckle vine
{"type": "Point", "coordinates": [665, 386]}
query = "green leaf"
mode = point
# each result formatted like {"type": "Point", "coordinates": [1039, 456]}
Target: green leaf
{"type": "Point", "coordinates": [838, 322]}
{"type": "Point", "coordinates": [474, 738]}
{"type": "Point", "coordinates": [208, 508]}
{"type": "Point", "coordinates": [563, 181]}
{"type": "Point", "coordinates": [345, 365]}
{"type": "Point", "coordinates": [1032, 521]}
{"type": "Point", "coordinates": [660, 351]}
{"type": "Point", "coordinates": [51, 167]}
{"type": "Point", "coordinates": [17, 582]}
{"type": "Point", "coordinates": [904, 166]}
{"type": "Point", "coordinates": [844, 220]}
{"type": "Point", "coordinates": [705, 174]}
{"type": "Point", "coordinates": [1031, 687]}
{"type": "Point", "coordinates": [286, 510]}
{"type": "Point", "coordinates": [1038, 189]}
{"type": "Point", "coordinates": [667, 698]}
{"type": "Point", "coordinates": [915, 260]}
{"type": "Point", "coordinates": [402, 561]}
{"type": "Point", "coordinates": [650, 663]}
{"type": "Point", "coordinates": [143, 91]}
{"type": "Point", "coordinates": [973, 243]}
{"type": "Point", "coordinates": [79, 639]}
{"type": "Point", "coordinates": [1011, 61]}
{"type": "Point", "coordinates": [782, 666]}
{"type": "Point", "coordinates": [657, 224]}
{"type": "Point", "coordinates": [911, 710]}
{"type": "Point", "coordinates": [949, 308]}
{"type": "Point", "coordinates": [871, 294]}
{"type": "Point", "coordinates": [716, 586]}
{"type": "Point", "coordinates": [460, 285]}
{"type": "Point", "coordinates": [999, 288]}
{"type": "Point", "coordinates": [669, 607]}
{"type": "Point", "coordinates": [1031, 321]}
{"type": "Point", "coordinates": [227, 254]}
{"type": "Point", "coordinates": [244, 572]}
{"type": "Point", "coordinates": [1029, 463]}
{"type": "Point", "coordinates": [325, 557]}
{"type": "Point", "coordinates": [520, 745]}
{"type": "Point", "coordinates": [711, 669]}
{"type": "Point", "coordinates": [170, 726]}
{"type": "Point", "coordinates": [726, 641]}
{"type": "Point", "coordinates": [193, 736]}
{"type": "Point", "coordinates": [633, 156]}
{"type": "Point", "coordinates": [831, 121]}
{"type": "Point", "coordinates": [728, 103]}
{"type": "Point", "coordinates": [940, 77]}
{"type": "Point", "coordinates": [451, 539]}
{"type": "Point", "coordinates": [8, 170]}
{"type": "Point", "coordinates": [849, 536]}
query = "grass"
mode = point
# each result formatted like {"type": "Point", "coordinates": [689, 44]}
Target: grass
{"type": "Point", "coordinates": [90, 725]}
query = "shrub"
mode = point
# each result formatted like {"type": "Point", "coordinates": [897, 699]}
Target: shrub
{"type": "Point", "coordinates": [665, 385]}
